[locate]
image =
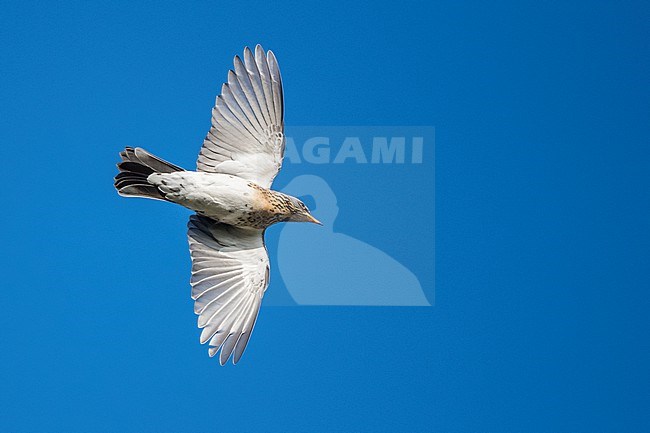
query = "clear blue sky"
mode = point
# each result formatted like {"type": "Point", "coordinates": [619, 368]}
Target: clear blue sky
{"type": "Point", "coordinates": [542, 235]}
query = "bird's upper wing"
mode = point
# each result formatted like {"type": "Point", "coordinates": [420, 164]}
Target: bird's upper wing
{"type": "Point", "coordinates": [247, 134]}
{"type": "Point", "coordinates": [230, 272]}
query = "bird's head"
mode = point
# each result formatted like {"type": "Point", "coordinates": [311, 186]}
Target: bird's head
{"type": "Point", "coordinates": [300, 212]}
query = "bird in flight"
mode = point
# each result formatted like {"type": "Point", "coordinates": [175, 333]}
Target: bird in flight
{"type": "Point", "coordinates": [230, 193]}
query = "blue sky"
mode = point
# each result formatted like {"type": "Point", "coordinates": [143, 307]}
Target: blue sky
{"type": "Point", "coordinates": [541, 234]}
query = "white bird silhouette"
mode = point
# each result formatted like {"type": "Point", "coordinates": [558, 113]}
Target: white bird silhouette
{"type": "Point", "coordinates": [230, 193]}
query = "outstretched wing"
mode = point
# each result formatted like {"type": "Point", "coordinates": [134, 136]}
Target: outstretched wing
{"type": "Point", "coordinates": [230, 272]}
{"type": "Point", "coordinates": [247, 134]}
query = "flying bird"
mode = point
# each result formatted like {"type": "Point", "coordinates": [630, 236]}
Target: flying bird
{"type": "Point", "coordinates": [230, 193]}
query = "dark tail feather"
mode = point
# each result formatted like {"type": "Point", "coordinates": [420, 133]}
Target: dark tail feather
{"type": "Point", "coordinates": [136, 166]}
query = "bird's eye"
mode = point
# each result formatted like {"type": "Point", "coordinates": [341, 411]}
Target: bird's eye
{"type": "Point", "coordinates": [307, 201]}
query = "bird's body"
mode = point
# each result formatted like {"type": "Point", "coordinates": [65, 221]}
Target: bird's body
{"type": "Point", "coordinates": [232, 197]}
{"type": "Point", "coordinates": [224, 197]}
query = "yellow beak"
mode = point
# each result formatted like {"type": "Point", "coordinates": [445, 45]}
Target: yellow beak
{"type": "Point", "coordinates": [311, 219]}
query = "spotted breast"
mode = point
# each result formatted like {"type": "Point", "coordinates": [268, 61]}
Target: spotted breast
{"type": "Point", "coordinates": [270, 207]}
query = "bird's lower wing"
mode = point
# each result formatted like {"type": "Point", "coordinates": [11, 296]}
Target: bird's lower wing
{"type": "Point", "coordinates": [230, 272]}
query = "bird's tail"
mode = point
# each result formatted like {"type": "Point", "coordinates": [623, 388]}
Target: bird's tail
{"type": "Point", "coordinates": [136, 166]}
